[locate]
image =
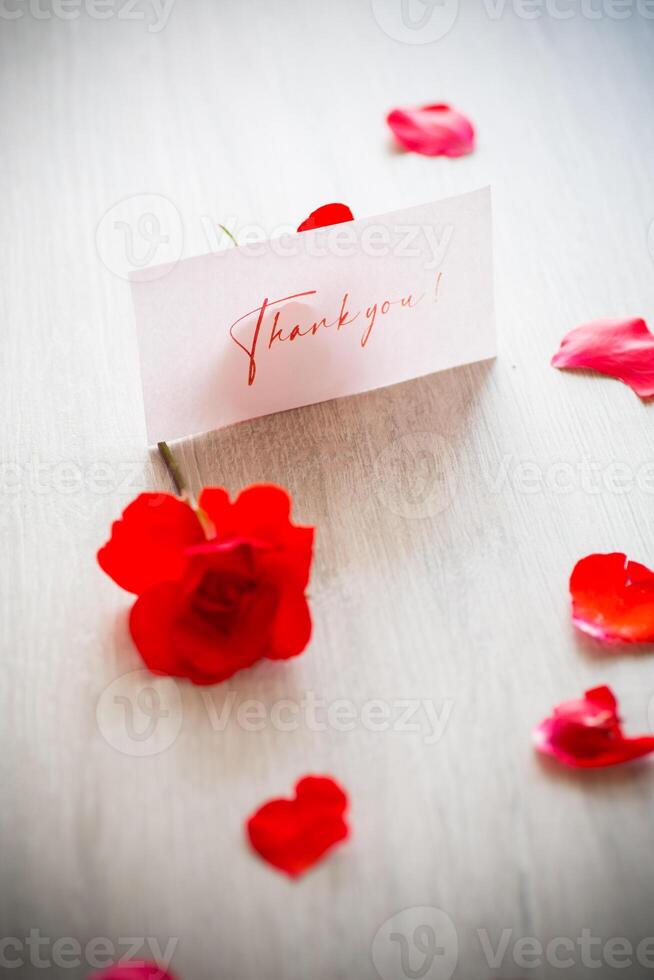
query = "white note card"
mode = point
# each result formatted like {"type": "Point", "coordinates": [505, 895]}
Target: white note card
{"type": "Point", "coordinates": [302, 318]}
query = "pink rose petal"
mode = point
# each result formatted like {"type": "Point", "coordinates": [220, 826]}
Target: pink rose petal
{"type": "Point", "coordinates": [135, 970]}
{"type": "Point", "coordinates": [623, 349]}
{"type": "Point", "coordinates": [587, 733]}
{"type": "Point", "coordinates": [433, 130]}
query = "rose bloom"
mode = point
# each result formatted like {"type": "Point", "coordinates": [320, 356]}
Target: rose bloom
{"type": "Point", "coordinates": [218, 588]}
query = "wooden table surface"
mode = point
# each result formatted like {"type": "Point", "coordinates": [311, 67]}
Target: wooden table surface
{"type": "Point", "coordinates": [450, 510]}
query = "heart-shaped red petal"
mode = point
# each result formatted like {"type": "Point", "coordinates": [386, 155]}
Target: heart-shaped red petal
{"type": "Point", "coordinates": [293, 834]}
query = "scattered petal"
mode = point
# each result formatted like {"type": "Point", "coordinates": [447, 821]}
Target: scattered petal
{"type": "Point", "coordinates": [587, 733]}
{"type": "Point", "coordinates": [613, 599]}
{"type": "Point", "coordinates": [328, 214]}
{"type": "Point", "coordinates": [433, 130]}
{"type": "Point", "coordinates": [293, 834]}
{"type": "Point", "coordinates": [138, 970]}
{"type": "Point", "coordinates": [623, 349]}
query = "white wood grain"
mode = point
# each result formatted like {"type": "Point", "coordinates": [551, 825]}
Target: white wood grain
{"type": "Point", "coordinates": [441, 565]}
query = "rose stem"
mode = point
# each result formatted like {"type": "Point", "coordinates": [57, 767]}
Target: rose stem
{"type": "Point", "coordinates": [173, 469]}
{"type": "Point", "coordinates": [228, 232]}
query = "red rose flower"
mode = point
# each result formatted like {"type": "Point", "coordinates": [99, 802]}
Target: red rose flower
{"type": "Point", "coordinates": [328, 214]}
{"type": "Point", "coordinates": [211, 603]}
{"type": "Point", "coordinates": [587, 733]}
{"type": "Point", "coordinates": [293, 834]}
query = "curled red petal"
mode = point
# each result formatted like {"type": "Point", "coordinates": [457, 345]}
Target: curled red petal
{"type": "Point", "coordinates": [587, 734]}
{"type": "Point", "coordinates": [623, 349]}
{"type": "Point", "coordinates": [602, 698]}
{"type": "Point", "coordinates": [147, 544]}
{"type": "Point", "coordinates": [433, 130]}
{"type": "Point", "coordinates": [613, 599]}
{"type": "Point", "coordinates": [293, 834]}
{"type": "Point", "coordinates": [328, 214]}
{"type": "Point", "coordinates": [138, 970]}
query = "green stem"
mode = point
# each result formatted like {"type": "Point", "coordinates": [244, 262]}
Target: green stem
{"type": "Point", "coordinates": [228, 232]}
{"type": "Point", "coordinates": [172, 468]}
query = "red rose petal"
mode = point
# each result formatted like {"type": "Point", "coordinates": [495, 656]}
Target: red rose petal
{"type": "Point", "coordinates": [147, 544]}
{"type": "Point", "coordinates": [261, 513]}
{"type": "Point", "coordinates": [293, 835]}
{"type": "Point", "coordinates": [292, 627]}
{"type": "Point", "coordinates": [214, 501]}
{"type": "Point", "coordinates": [623, 349]}
{"type": "Point", "coordinates": [433, 130]}
{"type": "Point", "coordinates": [176, 638]}
{"type": "Point", "coordinates": [138, 970]}
{"type": "Point", "coordinates": [151, 622]}
{"type": "Point", "coordinates": [613, 599]}
{"type": "Point", "coordinates": [328, 214]}
{"type": "Point", "coordinates": [587, 733]}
